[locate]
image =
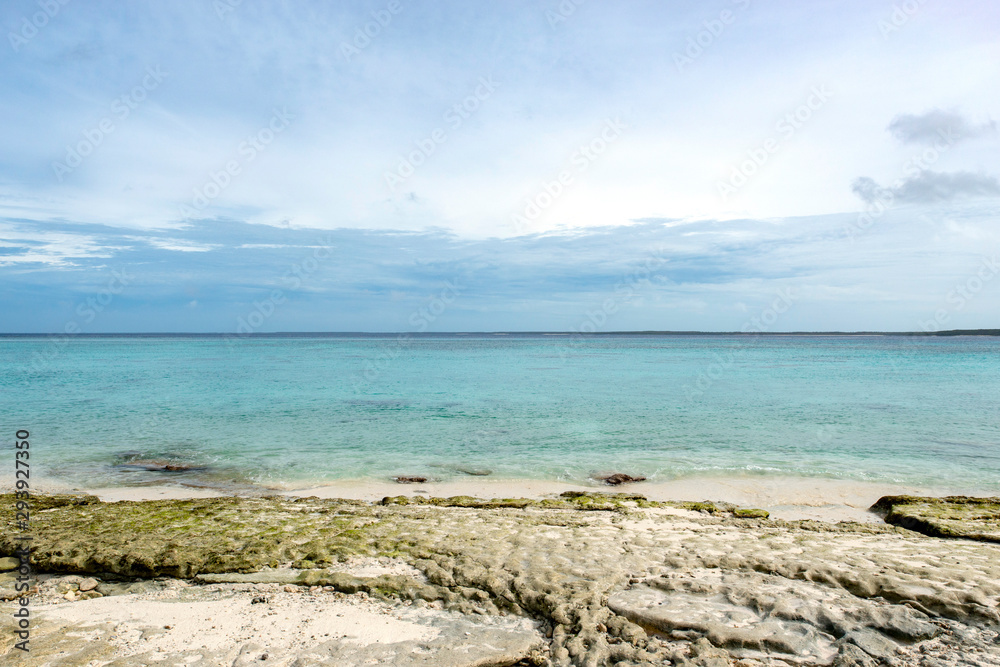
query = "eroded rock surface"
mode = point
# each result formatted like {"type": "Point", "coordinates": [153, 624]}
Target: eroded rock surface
{"type": "Point", "coordinates": [627, 581]}
{"type": "Point", "coordinates": [951, 516]}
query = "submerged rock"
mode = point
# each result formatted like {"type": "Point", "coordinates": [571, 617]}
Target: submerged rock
{"type": "Point", "coordinates": [403, 479]}
{"type": "Point", "coordinates": [951, 516]}
{"type": "Point", "coordinates": [475, 472]}
{"type": "Point", "coordinates": [161, 466]}
{"type": "Point", "coordinates": [617, 478]}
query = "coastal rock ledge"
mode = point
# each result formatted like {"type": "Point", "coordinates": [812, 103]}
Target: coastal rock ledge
{"type": "Point", "coordinates": [951, 516]}
{"type": "Point", "coordinates": [583, 579]}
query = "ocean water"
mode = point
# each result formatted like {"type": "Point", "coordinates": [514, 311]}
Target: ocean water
{"type": "Point", "coordinates": [299, 410]}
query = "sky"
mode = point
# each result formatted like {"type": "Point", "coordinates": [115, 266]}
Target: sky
{"type": "Point", "coordinates": [247, 166]}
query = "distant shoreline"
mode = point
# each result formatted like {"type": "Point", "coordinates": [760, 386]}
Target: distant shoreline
{"type": "Point", "coordinates": [448, 334]}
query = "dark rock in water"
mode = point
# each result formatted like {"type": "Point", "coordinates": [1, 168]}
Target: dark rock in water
{"type": "Point", "coordinates": [410, 480]}
{"type": "Point", "coordinates": [951, 516]}
{"type": "Point", "coordinates": [180, 467]}
{"type": "Point", "coordinates": [161, 466]}
{"type": "Point", "coordinates": [465, 470]}
{"type": "Point", "coordinates": [475, 472]}
{"type": "Point", "coordinates": [617, 478]}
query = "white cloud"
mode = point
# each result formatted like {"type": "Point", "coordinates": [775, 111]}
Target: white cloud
{"type": "Point", "coordinates": [929, 128]}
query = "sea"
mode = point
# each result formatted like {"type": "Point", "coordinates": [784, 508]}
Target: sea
{"type": "Point", "coordinates": [294, 411]}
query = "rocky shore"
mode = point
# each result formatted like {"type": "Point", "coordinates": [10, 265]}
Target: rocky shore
{"type": "Point", "coordinates": [581, 579]}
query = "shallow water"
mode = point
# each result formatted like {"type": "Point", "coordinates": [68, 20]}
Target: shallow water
{"type": "Point", "coordinates": [299, 410]}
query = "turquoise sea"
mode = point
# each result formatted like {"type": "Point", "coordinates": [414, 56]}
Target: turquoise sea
{"type": "Point", "coordinates": [291, 411]}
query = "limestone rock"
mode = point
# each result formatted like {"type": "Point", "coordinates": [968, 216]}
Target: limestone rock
{"type": "Point", "coordinates": [88, 584]}
{"type": "Point", "coordinates": [873, 643]}
{"type": "Point", "coordinates": [743, 513]}
{"type": "Point", "coordinates": [951, 516]}
{"type": "Point", "coordinates": [851, 656]}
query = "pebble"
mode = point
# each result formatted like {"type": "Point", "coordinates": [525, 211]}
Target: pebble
{"type": "Point", "coordinates": [88, 584]}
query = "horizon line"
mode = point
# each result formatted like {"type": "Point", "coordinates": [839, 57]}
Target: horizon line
{"type": "Point", "coordinates": [646, 332]}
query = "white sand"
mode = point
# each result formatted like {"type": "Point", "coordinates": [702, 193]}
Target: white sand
{"type": "Point", "coordinates": [172, 622]}
{"type": "Point", "coordinates": [113, 494]}
{"type": "Point", "coordinates": [289, 620]}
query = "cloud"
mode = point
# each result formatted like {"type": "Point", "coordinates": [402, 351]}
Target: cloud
{"type": "Point", "coordinates": [659, 274]}
{"type": "Point", "coordinates": [932, 186]}
{"type": "Point", "coordinates": [180, 246]}
{"type": "Point", "coordinates": [868, 190]}
{"type": "Point", "coordinates": [928, 187]}
{"type": "Point", "coordinates": [930, 127]}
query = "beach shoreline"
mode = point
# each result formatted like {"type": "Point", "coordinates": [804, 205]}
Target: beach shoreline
{"type": "Point", "coordinates": [789, 498]}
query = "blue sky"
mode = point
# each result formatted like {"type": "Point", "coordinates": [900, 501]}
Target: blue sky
{"type": "Point", "coordinates": [398, 166]}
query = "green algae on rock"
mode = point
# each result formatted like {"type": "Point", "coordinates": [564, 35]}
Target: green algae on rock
{"type": "Point", "coordinates": [952, 516]}
{"type": "Point", "coordinates": [184, 537]}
